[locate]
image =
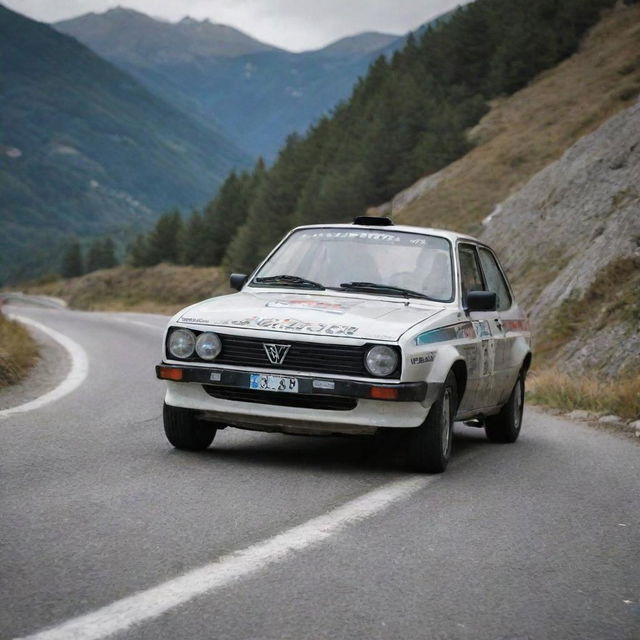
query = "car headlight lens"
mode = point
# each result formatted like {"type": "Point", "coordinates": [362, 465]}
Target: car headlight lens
{"type": "Point", "coordinates": [208, 346]}
{"type": "Point", "coordinates": [381, 361]}
{"type": "Point", "coordinates": [182, 343]}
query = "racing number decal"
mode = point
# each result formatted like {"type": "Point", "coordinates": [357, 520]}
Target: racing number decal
{"type": "Point", "coordinates": [488, 357]}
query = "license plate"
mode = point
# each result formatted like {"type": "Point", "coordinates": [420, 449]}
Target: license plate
{"type": "Point", "coordinates": [273, 383]}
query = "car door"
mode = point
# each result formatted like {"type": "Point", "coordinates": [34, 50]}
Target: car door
{"type": "Point", "coordinates": [506, 364]}
{"type": "Point", "coordinates": [487, 325]}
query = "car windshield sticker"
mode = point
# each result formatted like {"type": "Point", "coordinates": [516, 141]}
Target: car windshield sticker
{"type": "Point", "coordinates": [378, 237]}
{"type": "Point", "coordinates": [313, 305]}
{"type": "Point", "coordinates": [291, 324]}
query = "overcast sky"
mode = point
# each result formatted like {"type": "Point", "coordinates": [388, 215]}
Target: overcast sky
{"type": "Point", "coordinates": [291, 24]}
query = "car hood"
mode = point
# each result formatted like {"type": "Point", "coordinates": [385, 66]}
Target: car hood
{"type": "Point", "coordinates": [311, 314]}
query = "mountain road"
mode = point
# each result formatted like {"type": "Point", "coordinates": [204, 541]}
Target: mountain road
{"type": "Point", "coordinates": [107, 531]}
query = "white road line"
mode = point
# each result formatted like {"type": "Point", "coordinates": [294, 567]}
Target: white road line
{"type": "Point", "coordinates": [75, 377]}
{"type": "Point", "coordinates": [140, 323]}
{"type": "Point", "coordinates": [151, 603]}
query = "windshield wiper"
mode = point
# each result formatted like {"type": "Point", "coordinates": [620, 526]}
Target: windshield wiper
{"type": "Point", "coordinates": [387, 288]}
{"type": "Point", "coordinates": [290, 281]}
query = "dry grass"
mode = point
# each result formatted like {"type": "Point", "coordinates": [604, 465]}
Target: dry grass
{"type": "Point", "coordinates": [18, 351]}
{"type": "Point", "coordinates": [552, 388]}
{"type": "Point", "coordinates": [522, 134]}
{"type": "Point", "coordinates": [164, 288]}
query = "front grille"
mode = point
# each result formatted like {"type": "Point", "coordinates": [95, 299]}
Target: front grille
{"type": "Point", "coordinates": [328, 403]}
{"type": "Point", "coordinates": [302, 356]}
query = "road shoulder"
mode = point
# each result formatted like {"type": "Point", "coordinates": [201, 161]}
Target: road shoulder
{"type": "Point", "coordinates": [52, 366]}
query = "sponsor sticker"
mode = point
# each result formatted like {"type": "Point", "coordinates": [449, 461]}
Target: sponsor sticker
{"type": "Point", "coordinates": [324, 384]}
{"type": "Point", "coordinates": [292, 324]}
{"type": "Point", "coordinates": [313, 305]}
{"type": "Point", "coordinates": [424, 358]}
{"type": "Point", "coordinates": [194, 320]}
{"type": "Point", "coordinates": [516, 325]}
{"type": "Point", "coordinates": [443, 334]}
{"type": "Point", "coordinates": [482, 328]}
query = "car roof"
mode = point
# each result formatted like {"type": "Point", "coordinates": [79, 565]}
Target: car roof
{"type": "Point", "coordinates": [452, 236]}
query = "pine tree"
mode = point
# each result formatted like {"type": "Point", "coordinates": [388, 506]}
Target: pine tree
{"type": "Point", "coordinates": [164, 243]}
{"type": "Point", "coordinates": [101, 255]}
{"type": "Point", "coordinates": [138, 252]}
{"type": "Point", "coordinates": [194, 245]}
{"type": "Point", "coordinates": [72, 263]}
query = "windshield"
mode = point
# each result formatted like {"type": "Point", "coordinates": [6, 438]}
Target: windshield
{"type": "Point", "coordinates": [347, 259]}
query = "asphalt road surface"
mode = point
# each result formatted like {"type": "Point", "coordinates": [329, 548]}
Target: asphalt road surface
{"type": "Point", "coordinates": [106, 531]}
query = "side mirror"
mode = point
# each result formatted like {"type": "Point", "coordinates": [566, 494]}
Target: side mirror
{"type": "Point", "coordinates": [482, 301]}
{"type": "Point", "coordinates": [238, 280]}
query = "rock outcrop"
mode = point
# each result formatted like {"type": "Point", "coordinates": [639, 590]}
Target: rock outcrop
{"type": "Point", "coordinates": [569, 222]}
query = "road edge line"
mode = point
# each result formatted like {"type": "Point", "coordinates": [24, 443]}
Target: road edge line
{"type": "Point", "coordinates": [76, 376]}
{"type": "Point", "coordinates": [151, 603]}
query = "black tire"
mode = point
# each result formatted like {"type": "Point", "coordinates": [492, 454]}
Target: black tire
{"type": "Point", "coordinates": [505, 427]}
{"type": "Point", "coordinates": [185, 431]}
{"type": "Point", "coordinates": [430, 444]}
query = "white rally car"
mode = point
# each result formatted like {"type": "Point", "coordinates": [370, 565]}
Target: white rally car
{"type": "Point", "coordinates": [353, 329]}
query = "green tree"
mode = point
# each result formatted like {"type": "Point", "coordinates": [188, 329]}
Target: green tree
{"type": "Point", "coordinates": [101, 254]}
{"type": "Point", "coordinates": [72, 264]}
{"type": "Point", "coordinates": [138, 252]}
{"type": "Point", "coordinates": [194, 243]}
{"type": "Point", "coordinates": [165, 242]}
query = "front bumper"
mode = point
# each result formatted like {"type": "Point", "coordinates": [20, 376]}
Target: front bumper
{"type": "Point", "coordinates": [374, 405]}
{"type": "Point", "coordinates": [399, 392]}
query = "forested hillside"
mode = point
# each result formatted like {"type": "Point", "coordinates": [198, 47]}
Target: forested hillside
{"type": "Point", "coordinates": [86, 149]}
{"type": "Point", "coordinates": [257, 94]}
{"type": "Point", "coordinates": [408, 117]}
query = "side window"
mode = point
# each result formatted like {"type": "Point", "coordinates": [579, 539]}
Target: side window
{"type": "Point", "coordinates": [470, 276]}
{"type": "Point", "coordinates": [495, 279]}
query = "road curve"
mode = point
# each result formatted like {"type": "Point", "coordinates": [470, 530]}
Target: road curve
{"type": "Point", "coordinates": [535, 540]}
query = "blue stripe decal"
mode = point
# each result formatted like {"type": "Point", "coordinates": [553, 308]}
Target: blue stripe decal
{"type": "Point", "coordinates": [443, 334]}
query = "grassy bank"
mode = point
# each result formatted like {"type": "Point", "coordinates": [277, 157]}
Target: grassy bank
{"type": "Point", "coordinates": [164, 288]}
{"type": "Point", "coordinates": [552, 388]}
{"type": "Point", "coordinates": [18, 351]}
{"type": "Point", "coordinates": [525, 132]}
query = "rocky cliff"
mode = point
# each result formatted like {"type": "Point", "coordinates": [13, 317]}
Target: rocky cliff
{"type": "Point", "coordinates": [570, 238]}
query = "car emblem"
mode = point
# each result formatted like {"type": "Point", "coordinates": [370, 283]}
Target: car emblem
{"type": "Point", "coordinates": [276, 352]}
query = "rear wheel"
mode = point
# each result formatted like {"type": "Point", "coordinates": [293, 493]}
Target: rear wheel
{"type": "Point", "coordinates": [185, 431]}
{"type": "Point", "coordinates": [505, 427]}
{"type": "Point", "coordinates": [430, 444]}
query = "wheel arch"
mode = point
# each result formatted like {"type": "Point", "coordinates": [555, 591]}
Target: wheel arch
{"type": "Point", "coordinates": [526, 363]}
{"type": "Point", "coordinates": [459, 368]}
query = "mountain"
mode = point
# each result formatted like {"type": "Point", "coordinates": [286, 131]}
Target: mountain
{"type": "Point", "coordinates": [254, 93]}
{"type": "Point", "coordinates": [410, 117]}
{"type": "Point", "coordinates": [552, 185]}
{"type": "Point", "coordinates": [360, 44]}
{"type": "Point", "coordinates": [86, 149]}
{"type": "Point", "coordinates": [128, 36]}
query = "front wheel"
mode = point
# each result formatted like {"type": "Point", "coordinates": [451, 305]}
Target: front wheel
{"type": "Point", "coordinates": [505, 427]}
{"type": "Point", "coordinates": [185, 431]}
{"type": "Point", "coordinates": [430, 444]}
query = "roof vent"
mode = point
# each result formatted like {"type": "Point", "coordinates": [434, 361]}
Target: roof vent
{"type": "Point", "coordinates": [373, 221]}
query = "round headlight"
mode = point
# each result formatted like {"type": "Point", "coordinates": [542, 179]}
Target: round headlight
{"type": "Point", "coordinates": [182, 343]}
{"type": "Point", "coordinates": [381, 361]}
{"type": "Point", "coordinates": [208, 346]}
